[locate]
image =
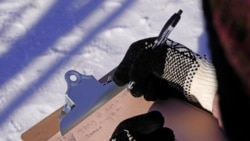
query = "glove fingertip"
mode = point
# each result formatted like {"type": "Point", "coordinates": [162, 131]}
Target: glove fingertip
{"type": "Point", "coordinates": [120, 79]}
{"type": "Point", "coordinates": [156, 116]}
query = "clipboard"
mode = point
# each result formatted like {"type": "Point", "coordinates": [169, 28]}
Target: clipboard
{"type": "Point", "coordinates": [188, 122]}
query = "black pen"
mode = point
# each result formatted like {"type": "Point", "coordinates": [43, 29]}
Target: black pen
{"type": "Point", "coordinates": [168, 28]}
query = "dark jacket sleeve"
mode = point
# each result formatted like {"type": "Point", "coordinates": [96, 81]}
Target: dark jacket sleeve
{"type": "Point", "coordinates": [228, 26]}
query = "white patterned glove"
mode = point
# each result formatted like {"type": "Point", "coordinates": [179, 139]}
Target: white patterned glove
{"type": "Point", "coordinates": [169, 69]}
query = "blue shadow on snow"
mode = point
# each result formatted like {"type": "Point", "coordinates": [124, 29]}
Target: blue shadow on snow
{"type": "Point", "coordinates": [47, 33]}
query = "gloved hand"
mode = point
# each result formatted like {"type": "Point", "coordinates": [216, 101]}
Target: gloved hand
{"type": "Point", "coordinates": [170, 69]}
{"type": "Point", "coordinates": [145, 127]}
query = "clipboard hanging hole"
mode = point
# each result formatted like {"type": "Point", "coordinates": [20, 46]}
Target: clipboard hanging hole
{"type": "Point", "coordinates": [73, 78]}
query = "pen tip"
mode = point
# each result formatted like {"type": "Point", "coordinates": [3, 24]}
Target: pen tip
{"type": "Point", "coordinates": [180, 12]}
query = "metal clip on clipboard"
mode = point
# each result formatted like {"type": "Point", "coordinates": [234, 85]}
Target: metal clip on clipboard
{"type": "Point", "coordinates": [84, 95]}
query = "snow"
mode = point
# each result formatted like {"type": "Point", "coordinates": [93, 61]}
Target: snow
{"type": "Point", "coordinates": [41, 40]}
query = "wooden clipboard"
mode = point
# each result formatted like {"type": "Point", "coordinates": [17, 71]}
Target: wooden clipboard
{"type": "Point", "coordinates": [189, 123]}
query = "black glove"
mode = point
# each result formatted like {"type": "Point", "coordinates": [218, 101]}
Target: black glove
{"type": "Point", "coordinates": [170, 69]}
{"type": "Point", "coordinates": [135, 68]}
{"type": "Point", "coordinates": [145, 127]}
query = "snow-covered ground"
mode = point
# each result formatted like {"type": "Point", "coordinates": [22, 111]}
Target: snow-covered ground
{"type": "Point", "coordinates": [41, 40]}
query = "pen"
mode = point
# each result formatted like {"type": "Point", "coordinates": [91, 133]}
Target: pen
{"type": "Point", "coordinates": [168, 28]}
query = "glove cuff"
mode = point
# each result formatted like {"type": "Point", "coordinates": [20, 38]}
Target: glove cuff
{"type": "Point", "coordinates": [204, 84]}
{"type": "Point", "coordinates": [191, 74]}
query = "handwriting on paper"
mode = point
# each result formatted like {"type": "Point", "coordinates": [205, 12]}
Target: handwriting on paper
{"type": "Point", "coordinates": [103, 116]}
